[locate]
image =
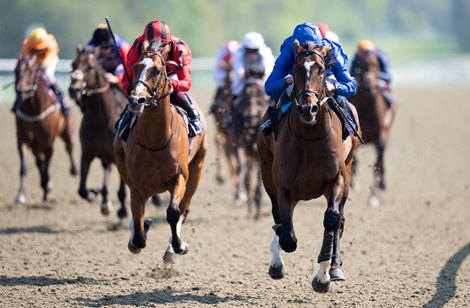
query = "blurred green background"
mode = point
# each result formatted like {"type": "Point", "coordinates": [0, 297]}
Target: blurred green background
{"type": "Point", "coordinates": [406, 29]}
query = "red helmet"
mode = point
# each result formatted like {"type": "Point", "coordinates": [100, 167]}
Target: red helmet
{"type": "Point", "coordinates": [157, 29]}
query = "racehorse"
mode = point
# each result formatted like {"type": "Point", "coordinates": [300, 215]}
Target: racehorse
{"type": "Point", "coordinates": [376, 119]}
{"type": "Point", "coordinates": [101, 104]}
{"type": "Point", "coordinates": [246, 115]}
{"type": "Point", "coordinates": [158, 155]}
{"type": "Point", "coordinates": [307, 160]}
{"type": "Point", "coordinates": [39, 120]}
{"type": "Point", "coordinates": [221, 109]}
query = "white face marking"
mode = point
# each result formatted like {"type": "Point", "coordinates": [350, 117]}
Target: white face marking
{"type": "Point", "coordinates": [148, 64]}
{"type": "Point", "coordinates": [308, 64]}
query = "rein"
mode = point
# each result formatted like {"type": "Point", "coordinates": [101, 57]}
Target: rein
{"type": "Point", "coordinates": [31, 119]}
{"type": "Point", "coordinates": [91, 92]}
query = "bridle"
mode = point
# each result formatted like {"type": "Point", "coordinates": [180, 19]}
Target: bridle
{"type": "Point", "coordinates": [78, 76]}
{"type": "Point", "coordinates": [153, 99]}
{"type": "Point", "coordinates": [31, 88]}
{"type": "Point", "coordinates": [308, 91]}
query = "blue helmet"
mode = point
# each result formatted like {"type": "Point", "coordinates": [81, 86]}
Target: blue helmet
{"type": "Point", "coordinates": [307, 32]}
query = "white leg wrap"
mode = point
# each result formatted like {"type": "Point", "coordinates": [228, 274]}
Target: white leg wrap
{"type": "Point", "coordinates": [276, 259]}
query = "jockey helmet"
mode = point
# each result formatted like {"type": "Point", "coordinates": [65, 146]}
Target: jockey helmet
{"type": "Point", "coordinates": [39, 38]}
{"type": "Point", "coordinates": [307, 32]}
{"type": "Point", "coordinates": [101, 36]}
{"type": "Point", "coordinates": [365, 45]}
{"type": "Point", "coordinates": [157, 29]}
{"type": "Point", "coordinates": [253, 40]}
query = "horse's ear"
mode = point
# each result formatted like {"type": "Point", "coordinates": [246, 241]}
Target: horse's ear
{"type": "Point", "coordinates": [145, 44]}
{"type": "Point", "coordinates": [164, 49]}
{"type": "Point", "coordinates": [79, 48]}
{"type": "Point", "coordinates": [296, 46]}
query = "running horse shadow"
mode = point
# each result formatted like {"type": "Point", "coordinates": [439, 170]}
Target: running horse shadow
{"type": "Point", "coordinates": [308, 160]}
{"type": "Point", "coordinates": [101, 104]}
{"type": "Point", "coordinates": [158, 156]}
{"type": "Point", "coordinates": [39, 120]}
{"type": "Point", "coordinates": [376, 119]}
{"type": "Point", "coordinates": [246, 117]}
{"type": "Point", "coordinates": [221, 110]}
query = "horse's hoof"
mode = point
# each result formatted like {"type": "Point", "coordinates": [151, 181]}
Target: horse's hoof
{"type": "Point", "coordinates": [20, 199]}
{"type": "Point", "coordinates": [337, 274]}
{"type": "Point", "coordinates": [320, 287]}
{"type": "Point", "coordinates": [170, 257]}
{"type": "Point", "coordinates": [220, 179]}
{"type": "Point", "coordinates": [241, 198]}
{"type": "Point", "coordinates": [106, 208]}
{"type": "Point", "coordinates": [73, 171]}
{"type": "Point", "coordinates": [156, 200]}
{"type": "Point", "coordinates": [132, 248]}
{"type": "Point", "coordinates": [122, 213]}
{"type": "Point", "coordinates": [382, 185]}
{"type": "Point", "coordinates": [374, 201]}
{"type": "Point", "coordinates": [183, 249]}
{"type": "Point", "coordinates": [277, 272]}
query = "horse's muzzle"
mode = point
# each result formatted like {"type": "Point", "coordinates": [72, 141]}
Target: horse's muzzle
{"type": "Point", "coordinates": [307, 113]}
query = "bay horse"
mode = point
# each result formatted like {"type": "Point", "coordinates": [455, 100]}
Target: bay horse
{"type": "Point", "coordinates": [246, 117]}
{"type": "Point", "coordinates": [221, 109]}
{"type": "Point", "coordinates": [158, 155]}
{"type": "Point", "coordinates": [307, 160]}
{"type": "Point", "coordinates": [101, 104]}
{"type": "Point", "coordinates": [376, 118]}
{"type": "Point", "coordinates": [39, 120]}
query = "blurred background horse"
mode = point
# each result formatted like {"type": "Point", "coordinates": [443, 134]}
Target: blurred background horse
{"type": "Point", "coordinates": [101, 103]}
{"type": "Point", "coordinates": [246, 116]}
{"type": "Point", "coordinates": [375, 117]}
{"type": "Point", "coordinates": [39, 120]}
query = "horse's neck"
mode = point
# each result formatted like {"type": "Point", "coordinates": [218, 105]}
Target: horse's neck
{"type": "Point", "coordinates": [99, 107]}
{"type": "Point", "coordinates": [322, 127]}
{"type": "Point", "coordinates": [154, 126]}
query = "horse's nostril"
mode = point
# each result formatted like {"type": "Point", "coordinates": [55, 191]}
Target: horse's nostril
{"type": "Point", "coordinates": [314, 109]}
{"type": "Point", "coordinates": [141, 100]}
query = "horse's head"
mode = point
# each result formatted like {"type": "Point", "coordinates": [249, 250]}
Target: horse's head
{"type": "Point", "coordinates": [252, 104]}
{"type": "Point", "coordinates": [86, 72]}
{"type": "Point", "coordinates": [150, 82]}
{"type": "Point", "coordinates": [27, 74]}
{"type": "Point", "coordinates": [309, 79]}
{"type": "Point", "coordinates": [367, 70]}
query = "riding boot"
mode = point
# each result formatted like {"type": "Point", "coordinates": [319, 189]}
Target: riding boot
{"type": "Point", "coordinates": [123, 124]}
{"type": "Point", "coordinates": [182, 100]}
{"type": "Point", "coordinates": [16, 103]}
{"type": "Point", "coordinates": [266, 127]}
{"type": "Point", "coordinates": [60, 97]}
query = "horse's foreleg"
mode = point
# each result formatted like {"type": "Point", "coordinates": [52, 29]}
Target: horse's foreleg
{"type": "Point", "coordinates": [21, 196]}
{"type": "Point", "coordinates": [277, 270]}
{"type": "Point", "coordinates": [287, 238]}
{"type": "Point", "coordinates": [42, 162]}
{"type": "Point", "coordinates": [106, 204]}
{"type": "Point", "coordinates": [137, 225]}
{"type": "Point", "coordinates": [331, 223]}
{"type": "Point", "coordinates": [122, 212]}
{"type": "Point", "coordinates": [240, 193]}
{"type": "Point", "coordinates": [258, 193]}
{"type": "Point", "coordinates": [85, 193]}
{"type": "Point", "coordinates": [67, 138]}
{"type": "Point", "coordinates": [174, 217]}
{"type": "Point", "coordinates": [379, 165]}
{"type": "Point", "coordinates": [218, 158]}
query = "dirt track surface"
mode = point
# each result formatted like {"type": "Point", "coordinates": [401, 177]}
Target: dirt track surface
{"type": "Point", "coordinates": [412, 251]}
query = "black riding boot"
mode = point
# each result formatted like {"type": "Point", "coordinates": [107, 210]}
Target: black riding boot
{"type": "Point", "coordinates": [60, 96]}
{"type": "Point", "coordinates": [183, 101]}
{"type": "Point", "coordinates": [266, 127]}
{"type": "Point", "coordinates": [123, 124]}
